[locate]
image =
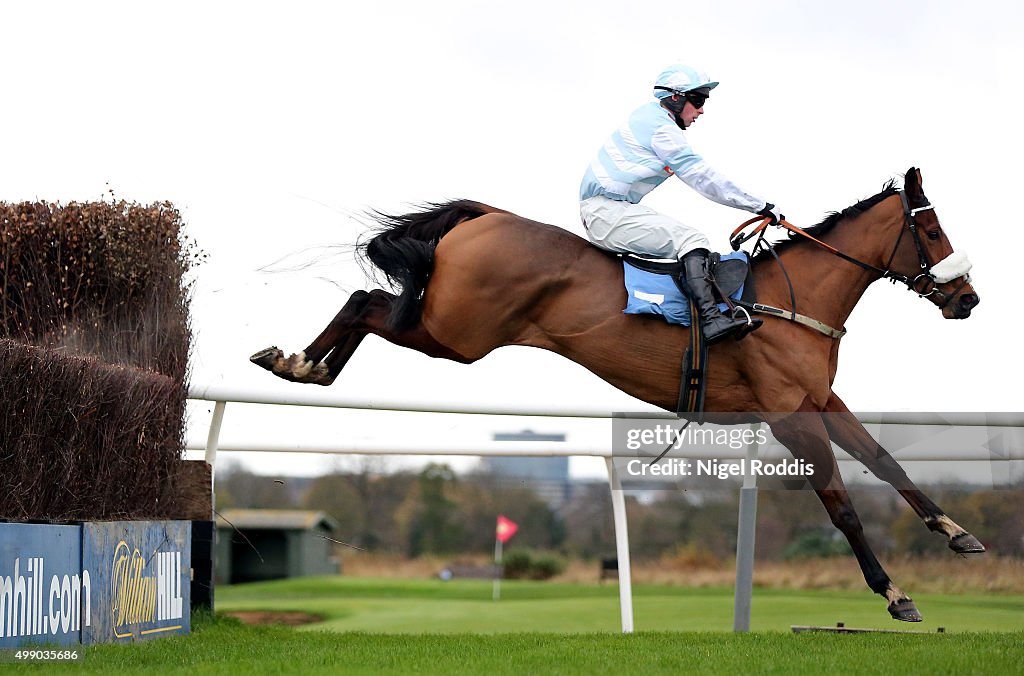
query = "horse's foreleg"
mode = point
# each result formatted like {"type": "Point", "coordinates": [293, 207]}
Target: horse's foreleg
{"type": "Point", "coordinates": [804, 434]}
{"type": "Point", "coordinates": [365, 312]}
{"type": "Point", "coordinates": [850, 435]}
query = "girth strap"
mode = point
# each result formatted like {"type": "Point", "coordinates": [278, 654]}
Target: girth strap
{"type": "Point", "coordinates": [693, 381]}
{"type": "Point", "coordinates": [804, 320]}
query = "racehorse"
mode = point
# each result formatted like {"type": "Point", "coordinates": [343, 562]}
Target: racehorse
{"type": "Point", "coordinates": [473, 278]}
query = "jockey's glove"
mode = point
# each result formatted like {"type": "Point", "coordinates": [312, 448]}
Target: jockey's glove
{"type": "Point", "coordinates": [773, 212]}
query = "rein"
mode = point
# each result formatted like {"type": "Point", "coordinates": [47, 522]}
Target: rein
{"type": "Point", "coordinates": [923, 284]}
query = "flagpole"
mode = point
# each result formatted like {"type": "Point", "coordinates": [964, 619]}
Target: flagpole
{"type": "Point", "coordinates": [496, 592]}
{"type": "Point", "coordinates": [503, 530]}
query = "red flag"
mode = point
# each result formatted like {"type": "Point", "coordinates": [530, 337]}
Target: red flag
{"type": "Point", "coordinates": [506, 529]}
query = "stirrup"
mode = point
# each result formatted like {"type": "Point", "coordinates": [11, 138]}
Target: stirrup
{"type": "Point", "coordinates": [751, 325]}
{"type": "Point", "coordinates": [732, 327]}
{"type": "Point", "coordinates": [743, 311]}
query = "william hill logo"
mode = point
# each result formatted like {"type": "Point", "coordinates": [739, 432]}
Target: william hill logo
{"type": "Point", "coordinates": [144, 591]}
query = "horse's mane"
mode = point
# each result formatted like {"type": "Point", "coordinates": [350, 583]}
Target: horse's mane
{"type": "Point", "coordinates": [833, 219]}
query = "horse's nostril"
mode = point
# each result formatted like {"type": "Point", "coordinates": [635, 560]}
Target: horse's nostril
{"type": "Point", "coordinates": [969, 301]}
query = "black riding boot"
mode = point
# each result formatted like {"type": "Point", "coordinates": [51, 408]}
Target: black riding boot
{"type": "Point", "coordinates": [696, 282]}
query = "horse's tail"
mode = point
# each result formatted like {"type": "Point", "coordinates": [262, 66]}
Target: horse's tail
{"type": "Point", "coordinates": [403, 249]}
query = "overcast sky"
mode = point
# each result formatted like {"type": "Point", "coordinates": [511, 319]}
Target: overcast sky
{"type": "Point", "coordinates": [270, 125]}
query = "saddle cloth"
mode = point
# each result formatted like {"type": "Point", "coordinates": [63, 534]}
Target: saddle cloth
{"type": "Point", "coordinates": [651, 285]}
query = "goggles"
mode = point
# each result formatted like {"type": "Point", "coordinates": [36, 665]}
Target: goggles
{"type": "Point", "coordinates": [696, 99]}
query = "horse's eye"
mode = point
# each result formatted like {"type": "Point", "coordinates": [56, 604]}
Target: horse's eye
{"type": "Point", "coordinates": [933, 235]}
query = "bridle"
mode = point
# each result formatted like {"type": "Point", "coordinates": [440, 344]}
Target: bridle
{"type": "Point", "coordinates": [924, 284]}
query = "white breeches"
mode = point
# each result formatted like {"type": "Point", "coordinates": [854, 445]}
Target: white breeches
{"type": "Point", "coordinates": [623, 227]}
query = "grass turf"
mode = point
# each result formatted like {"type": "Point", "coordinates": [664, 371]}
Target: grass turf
{"type": "Point", "coordinates": [429, 606]}
{"type": "Point", "coordinates": [221, 645]}
{"type": "Point", "coordinates": [425, 626]}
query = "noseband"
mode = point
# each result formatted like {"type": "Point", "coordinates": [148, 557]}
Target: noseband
{"type": "Point", "coordinates": [924, 284]}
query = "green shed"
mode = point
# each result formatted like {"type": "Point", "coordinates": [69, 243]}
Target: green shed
{"type": "Point", "coordinates": [269, 544]}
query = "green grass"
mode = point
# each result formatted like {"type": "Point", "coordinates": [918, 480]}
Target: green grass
{"type": "Point", "coordinates": [224, 646]}
{"type": "Point", "coordinates": [386, 626]}
{"type": "Point", "coordinates": [418, 606]}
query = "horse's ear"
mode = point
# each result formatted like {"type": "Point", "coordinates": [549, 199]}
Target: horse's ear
{"type": "Point", "coordinates": [912, 182]}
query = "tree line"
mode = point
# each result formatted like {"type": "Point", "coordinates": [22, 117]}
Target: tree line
{"type": "Point", "coordinates": [436, 511]}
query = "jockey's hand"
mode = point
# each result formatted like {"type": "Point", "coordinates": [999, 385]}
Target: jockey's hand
{"type": "Point", "coordinates": [773, 212]}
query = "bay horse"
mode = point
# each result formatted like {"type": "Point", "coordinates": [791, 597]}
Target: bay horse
{"type": "Point", "coordinates": [473, 278]}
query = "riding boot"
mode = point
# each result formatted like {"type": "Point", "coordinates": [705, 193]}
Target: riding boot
{"type": "Point", "coordinates": [696, 279]}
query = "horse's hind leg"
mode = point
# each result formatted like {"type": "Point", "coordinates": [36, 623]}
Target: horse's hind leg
{"type": "Point", "coordinates": [365, 312]}
{"type": "Point", "coordinates": [373, 318]}
{"type": "Point", "coordinates": [850, 435]}
{"type": "Point", "coordinates": [805, 436]}
{"type": "Point", "coordinates": [306, 366]}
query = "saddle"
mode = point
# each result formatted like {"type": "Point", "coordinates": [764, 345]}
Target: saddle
{"type": "Point", "coordinates": [653, 287]}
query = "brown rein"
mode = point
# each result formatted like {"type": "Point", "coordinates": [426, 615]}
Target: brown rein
{"type": "Point", "coordinates": [736, 239]}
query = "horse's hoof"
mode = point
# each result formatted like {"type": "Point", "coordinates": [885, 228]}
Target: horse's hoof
{"type": "Point", "coordinates": [299, 366]}
{"type": "Point", "coordinates": [319, 375]}
{"type": "Point", "coordinates": [267, 358]}
{"type": "Point", "coordinates": [965, 543]}
{"type": "Point", "coordinates": [905, 611]}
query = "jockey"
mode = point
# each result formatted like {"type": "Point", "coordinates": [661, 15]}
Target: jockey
{"type": "Point", "coordinates": [637, 158]}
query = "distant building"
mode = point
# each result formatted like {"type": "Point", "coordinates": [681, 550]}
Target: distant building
{"type": "Point", "coordinates": [547, 476]}
{"type": "Point", "coordinates": [269, 544]}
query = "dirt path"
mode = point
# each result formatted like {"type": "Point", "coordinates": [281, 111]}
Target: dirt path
{"type": "Point", "coordinates": [292, 618]}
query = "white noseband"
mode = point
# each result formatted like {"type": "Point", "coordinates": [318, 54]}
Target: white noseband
{"type": "Point", "coordinates": [949, 268]}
